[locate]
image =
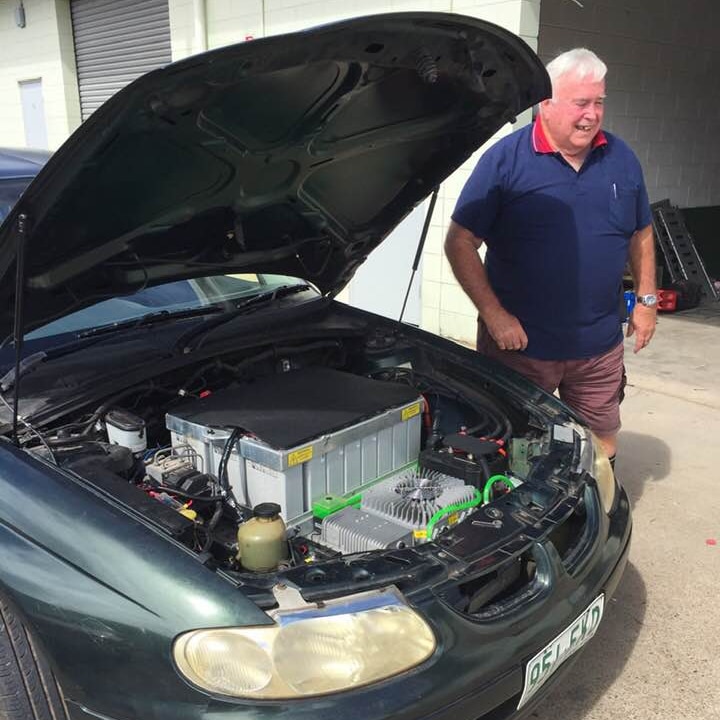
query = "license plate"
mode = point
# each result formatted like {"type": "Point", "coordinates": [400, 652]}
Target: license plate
{"type": "Point", "coordinates": [549, 659]}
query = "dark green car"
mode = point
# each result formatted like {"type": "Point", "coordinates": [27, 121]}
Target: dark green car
{"type": "Point", "coordinates": [224, 494]}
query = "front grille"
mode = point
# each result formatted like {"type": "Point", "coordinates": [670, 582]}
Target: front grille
{"type": "Point", "coordinates": [573, 539]}
{"type": "Point", "coordinates": [567, 537]}
{"type": "Point", "coordinates": [515, 582]}
{"type": "Point", "coordinates": [488, 595]}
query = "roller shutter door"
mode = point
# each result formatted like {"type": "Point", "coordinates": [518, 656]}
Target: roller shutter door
{"type": "Point", "coordinates": [116, 41]}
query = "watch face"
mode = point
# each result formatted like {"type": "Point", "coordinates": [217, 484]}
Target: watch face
{"type": "Point", "coordinates": [648, 300]}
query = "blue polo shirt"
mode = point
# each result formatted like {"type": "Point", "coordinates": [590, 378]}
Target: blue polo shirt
{"type": "Point", "coordinates": [557, 239]}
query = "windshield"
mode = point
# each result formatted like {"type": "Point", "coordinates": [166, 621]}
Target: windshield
{"type": "Point", "coordinates": [218, 290]}
{"type": "Point", "coordinates": [10, 191]}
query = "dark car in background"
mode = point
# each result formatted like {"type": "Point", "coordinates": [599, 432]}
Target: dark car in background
{"type": "Point", "coordinates": [17, 168]}
{"type": "Point", "coordinates": [224, 494]}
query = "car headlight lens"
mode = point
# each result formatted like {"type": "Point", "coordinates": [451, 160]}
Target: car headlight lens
{"type": "Point", "coordinates": [604, 476]}
{"type": "Point", "coordinates": [312, 651]}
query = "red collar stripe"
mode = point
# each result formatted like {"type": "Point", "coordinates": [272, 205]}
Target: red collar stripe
{"type": "Point", "coordinates": [542, 145]}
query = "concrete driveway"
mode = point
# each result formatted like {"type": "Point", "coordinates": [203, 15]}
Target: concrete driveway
{"type": "Point", "coordinates": [657, 654]}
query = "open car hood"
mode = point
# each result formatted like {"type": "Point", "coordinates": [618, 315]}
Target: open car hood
{"type": "Point", "coordinates": [294, 154]}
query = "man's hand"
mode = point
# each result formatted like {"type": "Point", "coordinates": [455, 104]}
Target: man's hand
{"type": "Point", "coordinates": [642, 325]}
{"type": "Point", "coordinates": [642, 265]}
{"type": "Point", "coordinates": [505, 329]}
{"type": "Point", "coordinates": [461, 248]}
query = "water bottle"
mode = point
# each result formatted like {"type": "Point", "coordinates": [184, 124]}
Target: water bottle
{"type": "Point", "coordinates": [629, 297]}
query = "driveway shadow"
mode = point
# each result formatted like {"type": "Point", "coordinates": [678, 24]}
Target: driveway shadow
{"type": "Point", "coordinates": [605, 656]}
{"type": "Point", "coordinates": [707, 313]}
{"type": "Point", "coordinates": [641, 459]}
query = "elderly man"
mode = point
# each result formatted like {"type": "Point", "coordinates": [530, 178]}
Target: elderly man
{"type": "Point", "coordinates": [561, 206]}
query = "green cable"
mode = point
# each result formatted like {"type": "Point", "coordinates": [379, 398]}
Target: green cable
{"type": "Point", "coordinates": [452, 508]}
{"type": "Point", "coordinates": [491, 481]}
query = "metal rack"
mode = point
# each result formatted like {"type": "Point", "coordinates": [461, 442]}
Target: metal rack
{"type": "Point", "coordinates": [676, 244]}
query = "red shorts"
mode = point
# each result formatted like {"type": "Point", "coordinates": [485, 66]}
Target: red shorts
{"type": "Point", "coordinates": [593, 387]}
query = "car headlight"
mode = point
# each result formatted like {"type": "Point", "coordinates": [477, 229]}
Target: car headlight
{"type": "Point", "coordinates": [594, 460]}
{"type": "Point", "coordinates": [604, 476]}
{"type": "Point", "coordinates": [344, 644]}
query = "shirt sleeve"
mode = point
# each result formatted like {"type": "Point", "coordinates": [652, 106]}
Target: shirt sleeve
{"type": "Point", "coordinates": [479, 202]}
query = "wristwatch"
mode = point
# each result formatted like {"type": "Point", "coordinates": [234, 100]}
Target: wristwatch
{"type": "Point", "coordinates": [647, 300]}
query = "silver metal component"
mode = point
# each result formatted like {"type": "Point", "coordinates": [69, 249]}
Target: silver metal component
{"type": "Point", "coordinates": [346, 604]}
{"type": "Point", "coordinates": [394, 429]}
{"type": "Point", "coordinates": [337, 463]}
{"type": "Point", "coordinates": [587, 453]}
{"type": "Point", "coordinates": [395, 512]}
{"type": "Point", "coordinates": [563, 433]}
{"type": "Point", "coordinates": [351, 530]}
{"type": "Point", "coordinates": [490, 523]}
{"type": "Point", "coordinates": [170, 460]}
{"type": "Point", "coordinates": [412, 498]}
{"type": "Point", "coordinates": [289, 597]}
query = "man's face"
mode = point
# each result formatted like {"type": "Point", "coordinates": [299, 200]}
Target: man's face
{"type": "Point", "coordinates": [574, 115]}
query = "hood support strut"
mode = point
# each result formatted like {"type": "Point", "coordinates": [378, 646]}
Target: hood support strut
{"type": "Point", "coordinates": [421, 245]}
{"type": "Point", "coordinates": [18, 329]}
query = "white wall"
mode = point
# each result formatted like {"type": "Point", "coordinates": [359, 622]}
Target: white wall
{"type": "Point", "coordinates": [663, 84]}
{"type": "Point", "coordinates": [43, 50]}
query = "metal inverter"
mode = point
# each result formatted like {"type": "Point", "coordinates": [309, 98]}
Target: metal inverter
{"type": "Point", "coordinates": [304, 434]}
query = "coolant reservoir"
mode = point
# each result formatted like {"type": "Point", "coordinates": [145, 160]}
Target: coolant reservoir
{"type": "Point", "coordinates": [124, 428]}
{"type": "Point", "coordinates": [262, 544]}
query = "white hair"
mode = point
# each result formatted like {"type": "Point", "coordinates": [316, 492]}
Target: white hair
{"type": "Point", "coordinates": [581, 63]}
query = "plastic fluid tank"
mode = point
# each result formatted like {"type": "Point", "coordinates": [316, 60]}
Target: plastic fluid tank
{"type": "Point", "coordinates": [262, 543]}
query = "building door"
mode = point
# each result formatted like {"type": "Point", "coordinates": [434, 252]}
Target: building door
{"type": "Point", "coordinates": [33, 109]}
{"type": "Point", "coordinates": [116, 41]}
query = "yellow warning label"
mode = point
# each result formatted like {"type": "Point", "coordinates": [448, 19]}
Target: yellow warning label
{"type": "Point", "coordinates": [410, 412]}
{"type": "Point", "coordinates": [419, 534]}
{"type": "Point", "coordinates": [296, 457]}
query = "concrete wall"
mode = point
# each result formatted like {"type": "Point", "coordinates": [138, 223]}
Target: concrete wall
{"type": "Point", "coordinates": [663, 84]}
{"type": "Point", "coordinates": [43, 50]}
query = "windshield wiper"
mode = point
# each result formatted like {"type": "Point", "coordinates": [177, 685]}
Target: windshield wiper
{"type": "Point", "coordinates": [151, 318]}
{"type": "Point", "coordinates": [89, 337]}
{"type": "Point", "coordinates": [184, 342]}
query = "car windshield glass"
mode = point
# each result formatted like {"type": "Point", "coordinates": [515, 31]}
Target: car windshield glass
{"type": "Point", "coordinates": [10, 191]}
{"type": "Point", "coordinates": [220, 290]}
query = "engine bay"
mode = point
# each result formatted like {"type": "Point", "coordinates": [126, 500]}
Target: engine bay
{"type": "Point", "coordinates": [290, 457]}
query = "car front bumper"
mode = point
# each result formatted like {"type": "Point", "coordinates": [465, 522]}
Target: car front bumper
{"type": "Point", "coordinates": [477, 672]}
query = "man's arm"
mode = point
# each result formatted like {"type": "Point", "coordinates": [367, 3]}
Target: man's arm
{"type": "Point", "coordinates": [461, 248]}
{"type": "Point", "coordinates": [642, 266]}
